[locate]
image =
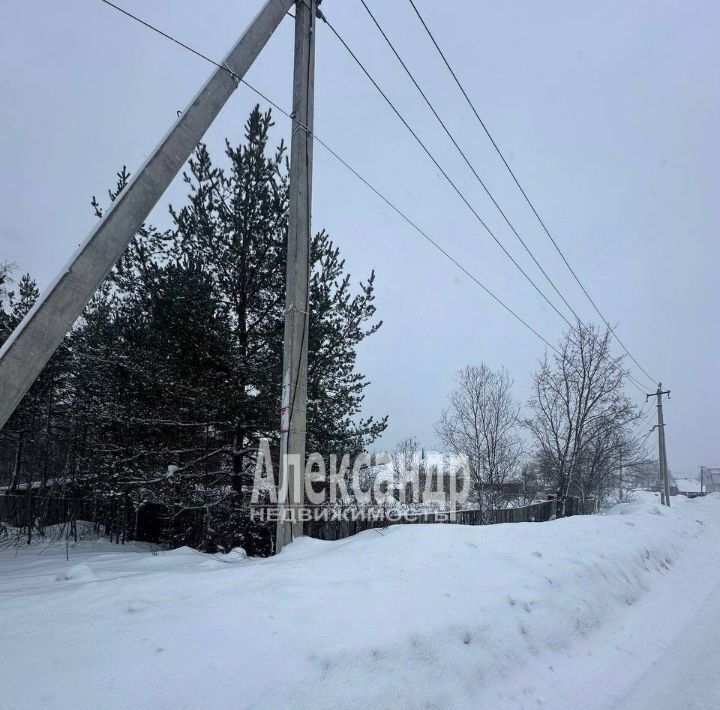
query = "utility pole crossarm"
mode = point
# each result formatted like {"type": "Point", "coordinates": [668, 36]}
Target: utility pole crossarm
{"type": "Point", "coordinates": [36, 338]}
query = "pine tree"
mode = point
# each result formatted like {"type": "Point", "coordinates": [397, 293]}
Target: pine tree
{"type": "Point", "coordinates": [173, 373]}
{"type": "Point", "coordinates": [236, 224]}
{"type": "Point", "coordinates": [27, 294]}
{"type": "Point", "coordinates": [36, 430]}
{"type": "Point", "coordinates": [339, 321]}
{"type": "Point", "coordinates": [5, 322]}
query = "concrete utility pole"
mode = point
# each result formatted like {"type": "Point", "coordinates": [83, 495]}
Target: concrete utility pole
{"type": "Point", "coordinates": [36, 338]}
{"type": "Point", "coordinates": [294, 383]}
{"type": "Point", "coordinates": [664, 484]}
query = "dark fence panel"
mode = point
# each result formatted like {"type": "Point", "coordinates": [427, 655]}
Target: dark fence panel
{"type": "Point", "coordinates": [535, 513]}
{"type": "Point", "coordinates": [159, 523]}
{"type": "Point", "coordinates": [340, 529]}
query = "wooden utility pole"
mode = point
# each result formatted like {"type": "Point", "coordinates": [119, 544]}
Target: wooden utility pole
{"type": "Point", "coordinates": [664, 483]}
{"type": "Point", "coordinates": [294, 382]}
{"type": "Point", "coordinates": [30, 346]}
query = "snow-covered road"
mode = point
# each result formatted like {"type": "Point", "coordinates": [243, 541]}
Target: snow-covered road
{"type": "Point", "coordinates": [687, 676]}
{"type": "Point", "coordinates": [617, 611]}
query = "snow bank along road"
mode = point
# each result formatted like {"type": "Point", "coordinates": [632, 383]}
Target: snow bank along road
{"type": "Point", "coordinates": [614, 611]}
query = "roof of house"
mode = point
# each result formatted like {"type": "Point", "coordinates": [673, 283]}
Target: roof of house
{"type": "Point", "coordinates": [688, 485]}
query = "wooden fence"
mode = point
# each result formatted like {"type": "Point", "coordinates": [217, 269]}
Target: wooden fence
{"type": "Point", "coordinates": [340, 529]}
{"type": "Point", "coordinates": [155, 522]}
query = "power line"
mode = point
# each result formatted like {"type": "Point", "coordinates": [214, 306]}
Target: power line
{"type": "Point", "coordinates": [465, 158]}
{"type": "Point", "coordinates": [643, 414]}
{"type": "Point", "coordinates": [646, 437]}
{"type": "Point", "coordinates": [631, 378]}
{"type": "Point", "coordinates": [524, 194]}
{"type": "Point", "coordinates": [637, 383]}
{"type": "Point", "coordinates": [190, 49]}
{"type": "Point", "coordinates": [345, 164]}
{"type": "Point", "coordinates": [443, 172]}
{"type": "Point", "coordinates": [362, 179]}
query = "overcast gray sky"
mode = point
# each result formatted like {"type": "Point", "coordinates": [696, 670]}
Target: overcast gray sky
{"type": "Point", "coordinates": [608, 112]}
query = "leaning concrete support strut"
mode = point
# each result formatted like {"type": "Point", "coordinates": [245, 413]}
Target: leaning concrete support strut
{"type": "Point", "coordinates": [36, 338]}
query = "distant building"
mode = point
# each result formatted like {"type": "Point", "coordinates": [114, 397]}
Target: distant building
{"type": "Point", "coordinates": [688, 486]}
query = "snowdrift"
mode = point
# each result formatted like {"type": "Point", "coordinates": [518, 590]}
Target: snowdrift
{"type": "Point", "coordinates": [431, 616]}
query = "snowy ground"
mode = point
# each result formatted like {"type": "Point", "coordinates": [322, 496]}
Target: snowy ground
{"type": "Point", "coordinates": [621, 610]}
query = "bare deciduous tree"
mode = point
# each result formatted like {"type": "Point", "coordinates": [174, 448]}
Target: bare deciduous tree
{"type": "Point", "coordinates": [582, 417]}
{"type": "Point", "coordinates": [405, 457]}
{"type": "Point", "coordinates": [614, 447]}
{"type": "Point", "coordinates": [482, 424]}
